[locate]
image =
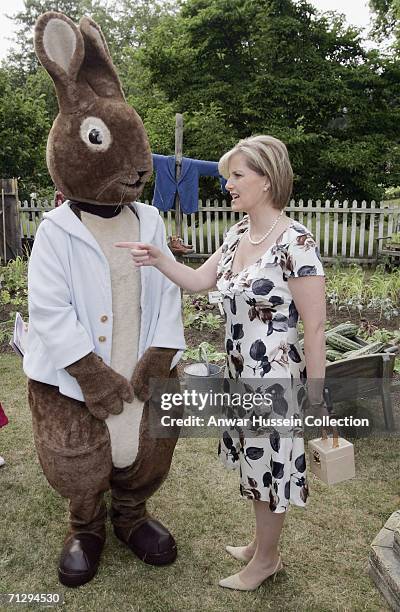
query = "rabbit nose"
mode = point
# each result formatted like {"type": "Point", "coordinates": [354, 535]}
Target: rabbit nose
{"type": "Point", "coordinates": [141, 173]}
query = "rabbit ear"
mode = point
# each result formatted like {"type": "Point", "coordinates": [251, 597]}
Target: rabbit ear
{"type": "Point", "coordinates": [97, 68]}
{"type": "Point", "coordinates": [60, 48]}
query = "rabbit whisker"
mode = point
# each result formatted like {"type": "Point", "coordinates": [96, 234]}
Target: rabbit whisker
{"type": "Point", "coordinates": [122, 195]}
{"type": "Point", "coordinates": [114, 180]}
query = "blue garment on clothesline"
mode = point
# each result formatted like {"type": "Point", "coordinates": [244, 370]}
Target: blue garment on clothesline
{"type": "Point", "coordinates": [187, 186]}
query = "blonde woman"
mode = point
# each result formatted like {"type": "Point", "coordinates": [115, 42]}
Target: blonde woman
{"type": "Point", "coordinates": [270, 274]}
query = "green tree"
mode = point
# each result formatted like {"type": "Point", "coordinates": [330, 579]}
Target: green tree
{"type": "Point", "coordinates": [124, 23]}
{"type": "Point", "coordinates": [387, 18]}
{"type": "Point", "coordinates": [276, 66]}
{"type": "Point", "coordinates": [24, 125]}
{"type": "Point", "coordinates": [234, 68]}
{"type": "Point", "coordinates": [207, 132]}
{"type": "Point", "coordinates": [22, 60]}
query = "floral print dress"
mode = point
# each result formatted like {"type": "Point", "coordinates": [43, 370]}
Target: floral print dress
{"type": "Point", "coordinates": [262, 349]}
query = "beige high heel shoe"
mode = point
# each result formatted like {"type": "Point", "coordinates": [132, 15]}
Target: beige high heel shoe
{"type": "Point", "coordinates": [235, 582]}
{"type": "Point", "coordinates": [238, 552]}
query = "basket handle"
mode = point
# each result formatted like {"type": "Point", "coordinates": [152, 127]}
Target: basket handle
{"type": "Point", "coordinates": [204, 357]}
{"type": "Point", "coordinates": [335, 433]}
{"type": "Point", "coordinates": [335, 436]}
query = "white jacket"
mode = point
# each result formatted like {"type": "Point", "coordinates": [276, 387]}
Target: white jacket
{"type": "Point", "coordinates": [70, 302]}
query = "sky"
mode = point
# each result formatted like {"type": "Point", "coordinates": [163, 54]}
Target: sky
{"type": "Point", "coordinates": [356, 12]}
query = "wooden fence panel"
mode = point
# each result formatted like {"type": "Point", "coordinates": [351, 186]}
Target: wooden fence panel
{"type": "Point", "coordinates": [10, 233]}
{"type": "Point", "coordinates": [327, 228]}
{"type": "Point", "coordinates": [362, 230]}
{"type": "Point", "coordinates": [185, 229]}
{"type": "Point", "coordinates": [344, 227]}
{"type": "Point", "coordinates": [381, 222]}
{"type": "Point", "coordinates": [224, 221]}
{"type": "Point", "coordinates": [193, 237]}
{"type": "Point", "coordinates": [317, 235]}
{"type": "Point", "coordinates": [216, 226]}
{"type": "Point", "coordinates": [309, 215]}
{"type": "Point", "coordinates": [353, 230]}
{"type": "Point", "coordinates": [371, 230]}
{"type": "Point", "coordinates": [335, 229]}
{"type": "Point", "coordinates": [390, 225]}
{"type": "Point", "coordinates": [201, 235]}
{"type": "Point", "coordinates": [209, 228]}
{"type": "Point", "coordinates": [31, 214]}
{"type": "Point", "coordinates": [290, 210]}
{"type": "Point", "coordinates": [301, 215]}
{"type": "Point", "coordinates": [340, 229]}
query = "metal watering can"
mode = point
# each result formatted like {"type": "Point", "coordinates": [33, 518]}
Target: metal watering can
{"type": "Point", "coordinates": [203, 368]}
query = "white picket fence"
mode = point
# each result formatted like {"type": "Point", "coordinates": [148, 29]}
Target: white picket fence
{"type": "Point", "coordinates": [346, 230]}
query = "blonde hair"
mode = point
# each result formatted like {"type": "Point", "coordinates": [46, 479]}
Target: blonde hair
{"type": "Point", "coordinates": [268, 157]}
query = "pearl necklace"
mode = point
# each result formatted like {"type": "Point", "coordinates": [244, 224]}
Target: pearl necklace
{"type": "Point", "coordinates": [255, 242]}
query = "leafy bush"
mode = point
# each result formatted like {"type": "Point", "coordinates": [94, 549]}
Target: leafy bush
{"type": "Point", "coordinates": [197, 313]}
{"type": "Point", "coordinates": [395, 238]}
{"type": "Point", "coordinates": [13, 295]}
{"type": "Point", "coordinates": [392, 193]}
{"type": "Point", "coordinates": [351, 289]}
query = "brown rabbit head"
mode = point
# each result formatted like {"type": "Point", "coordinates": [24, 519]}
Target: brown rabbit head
{"type": "Point", "coordinates": [97, 150]}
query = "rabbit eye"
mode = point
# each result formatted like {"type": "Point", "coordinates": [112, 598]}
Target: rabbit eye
{"type": "Point", "coordinates": [95, 136]}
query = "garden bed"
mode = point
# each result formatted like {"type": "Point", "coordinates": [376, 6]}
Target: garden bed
{"type": "Point", "coordinates": [371, 317]}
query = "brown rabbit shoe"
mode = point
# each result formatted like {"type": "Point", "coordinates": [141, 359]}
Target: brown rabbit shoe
{"type": "Point", "coordinates": [80, 559]}
{"type": "Point", "coordinates": [151, 542]}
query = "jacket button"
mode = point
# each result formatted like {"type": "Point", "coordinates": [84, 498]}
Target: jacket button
{"type": "Point", "coordinates": [102, 338]}
{"type": "Point", "coordinates": [103, 318]}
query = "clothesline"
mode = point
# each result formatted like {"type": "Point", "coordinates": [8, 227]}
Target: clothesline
{"type": "Point", "coordinates": [187, 185]}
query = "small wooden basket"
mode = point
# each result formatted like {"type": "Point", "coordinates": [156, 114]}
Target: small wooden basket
{"type": "Point", "coordinates": [332, 459]}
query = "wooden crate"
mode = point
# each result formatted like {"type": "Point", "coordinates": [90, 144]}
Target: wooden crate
{"type": "Point", "coordinates": [350, 379]}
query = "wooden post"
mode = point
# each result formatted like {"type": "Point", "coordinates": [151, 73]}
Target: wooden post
{"type": "Point", "coordinates": [387, 371]}
{"type": "Point", "coordinates": [10, 242]}
{"type": "Point", "coordinates": [178, 168]}
{"type": "Point", "coordinates": [3, 221]}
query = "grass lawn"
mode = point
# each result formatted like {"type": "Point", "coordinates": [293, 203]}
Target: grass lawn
{"type": "Point", "coordinates": [325, 547]}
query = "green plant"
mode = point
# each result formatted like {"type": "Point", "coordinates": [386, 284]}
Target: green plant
{"type": "Point", "coordinates": [13, 295]}
{"type": "Point", "coordinates": [395, 238]}
{"type": "Point", "coordinates": [387, 336]}
{"type": "Point", "coordinates": [350, 289]}
{"type": "Point", "coordinates": [197, 313]}
{"type": "Point", "coordinates": [212, 354]}
{"type": "Point", "coordinates": [14, 276]}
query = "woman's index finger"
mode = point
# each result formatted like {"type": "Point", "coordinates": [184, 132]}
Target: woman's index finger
{"type": "Point", "coordinates": [130, 245]}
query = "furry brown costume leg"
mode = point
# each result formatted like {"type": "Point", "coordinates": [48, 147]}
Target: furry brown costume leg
{"type": "Point", "coordinates": [140, 480]}
{"type": "Point", "coordinates": [132, 486]}
{"type": "Point", "coordinates": [74, 452]}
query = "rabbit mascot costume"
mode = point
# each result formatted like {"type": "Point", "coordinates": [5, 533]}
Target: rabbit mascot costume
{"type": "Point", "coordinates": [99, 329]}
